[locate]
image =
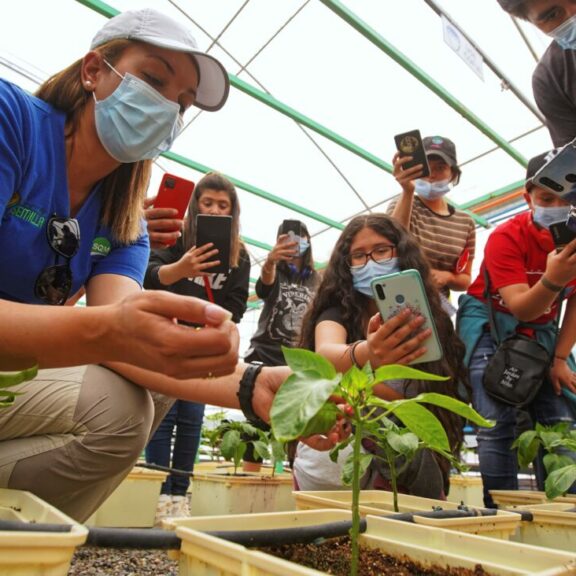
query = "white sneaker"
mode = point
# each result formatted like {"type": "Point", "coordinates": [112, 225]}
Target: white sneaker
{"type": "Point", "coordinates": [180, 506]}
{"type": "Point", "coordinates": [163, 509]}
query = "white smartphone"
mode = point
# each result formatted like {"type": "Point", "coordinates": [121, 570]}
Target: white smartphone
{"type": "Point", "coordinates": [558, 175]}
{"type": "Point", "coordinates": [405, 289]}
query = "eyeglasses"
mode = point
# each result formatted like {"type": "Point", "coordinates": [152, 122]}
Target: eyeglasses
{"type": "Point", "coordinates": [54, 283]}
{"type": "Point", "coordinates": [380, 253]}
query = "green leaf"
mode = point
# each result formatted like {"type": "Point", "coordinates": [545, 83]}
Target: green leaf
{"type": "Point", "coordinates": [556, 461]}
{"type": "Point", "coordinates": [230, 442]}
{"type": "Point", "coordinates": [453, 405]}
{"type": "Point", "coordinates": [551, 439]}
{"type": "Point", "coordinates": [297, 401]}
{"type": "Point", "coordinates": [348, 468]}
{"type": "Point", "coordinates": [278, 450]}
{"type": "Point", "coordinates": [527, 443]}
{"type": "Point", "coordinates": [406, 444]}
{"type": "Point", "coordinates": [261, 449]}
{"type": "Point", "coordinates": [559, 481]}
{"type": "Point", "coordinates": [301, 360]}
{"type": "Point", "coordinates": [420, 421]}
{"type": "Point", "coordinates": [335, 452]}
{"type": "Point", "coordinates": [399, 372]}
{"type": "Point", "coordinates": [322, 421]}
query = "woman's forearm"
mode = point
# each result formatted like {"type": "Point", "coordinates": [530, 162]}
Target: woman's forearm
{"type": "Point", "coordinates": [52, 336]}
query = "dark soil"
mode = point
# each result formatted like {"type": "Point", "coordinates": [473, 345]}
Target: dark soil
{"type": "Point", "coordinates": [333, 557]}
{"type": "Point", "coordinates": [90, 561]}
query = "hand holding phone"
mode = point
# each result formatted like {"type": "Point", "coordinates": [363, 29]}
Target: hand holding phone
{"type": "Point", "coordinates": [174, 194]}
{"type": "Point", "coordinates": [561, 234]}
{"type": "Point", "coordinates": [218, 231]}
{"type": "Point", "coordinates": [405, 290]}
{"type": "Point", "coordinates": [410, 144]}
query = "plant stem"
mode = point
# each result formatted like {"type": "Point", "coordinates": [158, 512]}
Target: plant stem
{"type": "Point", "coordinates": [355, 530]}
{"type": "Point", "coordinates": [392, 464]}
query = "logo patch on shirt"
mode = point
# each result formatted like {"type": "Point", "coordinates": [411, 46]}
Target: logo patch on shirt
{"type": "Point", "coordinates": [100, 247]}
{"type": "Point", "coordinates": [30, 215]}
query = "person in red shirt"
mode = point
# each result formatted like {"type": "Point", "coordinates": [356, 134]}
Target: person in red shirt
{"type": "Point", "coordinates": [527, 275]}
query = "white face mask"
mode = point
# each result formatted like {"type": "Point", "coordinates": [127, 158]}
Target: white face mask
{"type": "Point", "coordinates": [431, 190]}
{"type": "Point", "coordinates": [136, 122]}
{"type": "Point", "coordinates": [544, 216]}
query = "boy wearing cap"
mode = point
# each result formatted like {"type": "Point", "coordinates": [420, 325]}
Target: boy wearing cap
{"type": "Point", "coordinates": [526, 277]}
{"type": "Point", "coordinates": [446, 235]}
{"type": "Point", "coordinates": [553, 80]}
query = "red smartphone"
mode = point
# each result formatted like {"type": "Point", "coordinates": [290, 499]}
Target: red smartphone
{"type": "Point", "coordinates": [174, 192]}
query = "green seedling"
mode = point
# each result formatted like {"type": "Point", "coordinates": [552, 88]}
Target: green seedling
{"type": "Point", "coordinates": [303, 407]}
{"type": "Point", "coordinates": [555, 440]}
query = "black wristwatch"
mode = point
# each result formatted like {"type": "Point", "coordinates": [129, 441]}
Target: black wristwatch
{"type": "Point", "coordinates": [246, 392]}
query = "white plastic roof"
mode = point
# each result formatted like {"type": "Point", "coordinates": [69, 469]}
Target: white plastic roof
{"type": "Point", "coordinates": [310, 59]}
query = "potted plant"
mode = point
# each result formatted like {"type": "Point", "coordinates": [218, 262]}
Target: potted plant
{"type": "Point", "coordinates": [229, 490]}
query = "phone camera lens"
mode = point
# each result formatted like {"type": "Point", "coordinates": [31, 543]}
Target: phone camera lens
{"type": "Point", "coordinates": [400, 299]}
{"type": "Point", "coordinates": [170, 183]}
{"type": "Point", "coordinates": [571, 178]}
{"type": "Point", "coordinates": [380, 292]}
{"type": "Point", "coordinates": [552, 184]}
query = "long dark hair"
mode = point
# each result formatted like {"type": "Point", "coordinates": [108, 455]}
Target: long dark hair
{"type": "Point", "coordinates": [219, 183]}
{"type": "Point", "coordinates": [337, 290]}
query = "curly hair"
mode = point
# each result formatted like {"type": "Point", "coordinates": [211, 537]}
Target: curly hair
{"type": "Point", "coordinates": [337, 290]}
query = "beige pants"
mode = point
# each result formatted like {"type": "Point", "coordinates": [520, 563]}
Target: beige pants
{"type": "Point", "coordinates": [74, 433]}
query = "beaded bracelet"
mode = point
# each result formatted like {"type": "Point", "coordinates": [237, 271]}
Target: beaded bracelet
{"type": "Point", "coordinates": [352, 353]}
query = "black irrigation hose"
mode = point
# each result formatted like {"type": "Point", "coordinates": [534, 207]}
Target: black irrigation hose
{"type": "Point", "coordinates": [18, 526]}
{"type": "Point", "coordinates": [136, 538]}
{"type": "Point", "coordinates": [173, 471]}
{"type": "Point", "coordinates": [462, 513]}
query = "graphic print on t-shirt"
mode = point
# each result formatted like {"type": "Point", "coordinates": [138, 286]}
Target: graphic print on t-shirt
{"type": "Point", "coordinates": [289, 309]}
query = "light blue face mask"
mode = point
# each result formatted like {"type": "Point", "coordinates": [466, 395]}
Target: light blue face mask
{"type": "Point", "coordinates": [544, 216]}
{"type": "Point", "coordinates": [565, 34]}
{"type": "Point", "coordinates": [362, 277]}
{"type": "Point", "coordinates": [136, 122]}
{"type": "Point", "coordinates": [303, 245]}
{"type": "Point", "coordinates": [431, 190]}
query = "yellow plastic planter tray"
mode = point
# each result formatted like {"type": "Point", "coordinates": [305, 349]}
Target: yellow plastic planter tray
{"type": "Point", "coordinates": [36, 553]}
{"type": "Point", "coordinates": [379, 502]}
{"type": "Point", "coordinates": [467, 489]}
{"type": "Point", "coordinates": [553, 526]}
{"type": "Point", "coordinates": [133, 503]}
{"type": "Point", "coordinates": [204, 555]}
{"type": "Point", "coordinates": [509, 498]}
{"type": "Point", "coordinates": [219, 492]}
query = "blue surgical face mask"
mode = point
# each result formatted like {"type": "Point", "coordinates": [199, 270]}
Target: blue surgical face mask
{"type": "Point", "coordinates": [431, 190]}
{"type": "Point", "coordinates": [303, 245]}
{"type": "Point", "coordinates": [136, 122]}
{"type": "Point", "coordinates": [565, 34]}
{"type": "Point", "coordinates": [362, 277]}
{"type": "Point", "coordinates": [544, 216]}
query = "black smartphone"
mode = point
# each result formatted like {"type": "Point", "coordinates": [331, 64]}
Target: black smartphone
{"type": "Point", "coordinates": [293, 228]}
{"type": "Point", "coordinates": [410, 144]}
{"type": "Point", "coordinates": [558, 175]}
{"type": "Point", "coordinates": [561, 234]}
{"type": "Point", "coordinates": [218, 230]}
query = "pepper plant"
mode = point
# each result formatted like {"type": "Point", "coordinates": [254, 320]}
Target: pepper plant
{"type": "Point", "coordinates": [555, 441]}
{"type": "Point", "coordinates": [303, 407]}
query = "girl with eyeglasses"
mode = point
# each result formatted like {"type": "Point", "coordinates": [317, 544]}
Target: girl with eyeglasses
{"type": "Point", "coordinates": [343, 324]}
{"type": "Point", "coordinates": [75, 163]}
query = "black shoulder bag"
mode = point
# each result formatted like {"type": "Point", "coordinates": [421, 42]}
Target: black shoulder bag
{"type": "Point", "coordinates": [519, 367]}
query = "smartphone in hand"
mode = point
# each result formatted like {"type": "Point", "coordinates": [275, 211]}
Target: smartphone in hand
{"type": "Point", "coordinates": [405, 289]}
{"type": "Point", "coordinates": [410, 144]}
{"type": "Point", "coordinates": [292, 228]}
{"type": "Point", "coordinates": [174, 192]}
{"type": "Point", "coordinates": [558, 175]}
{"type": "Point", "coordinates": [218, 230]}
{"type": "Point", "coordinates": [561, 234]}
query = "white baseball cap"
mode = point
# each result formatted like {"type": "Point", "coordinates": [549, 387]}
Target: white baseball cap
{"type": "Point", "coordinates": [153, 27]}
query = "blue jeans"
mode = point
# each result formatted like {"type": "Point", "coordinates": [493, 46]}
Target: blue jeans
{"type": "Point", "coordinates": [498, 462]}
{"type": "Point", "coordinates": [184, 420]}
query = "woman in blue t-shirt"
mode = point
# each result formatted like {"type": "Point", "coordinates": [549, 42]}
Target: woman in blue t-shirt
{"type": "Point", "coordinates": [74, 167]}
